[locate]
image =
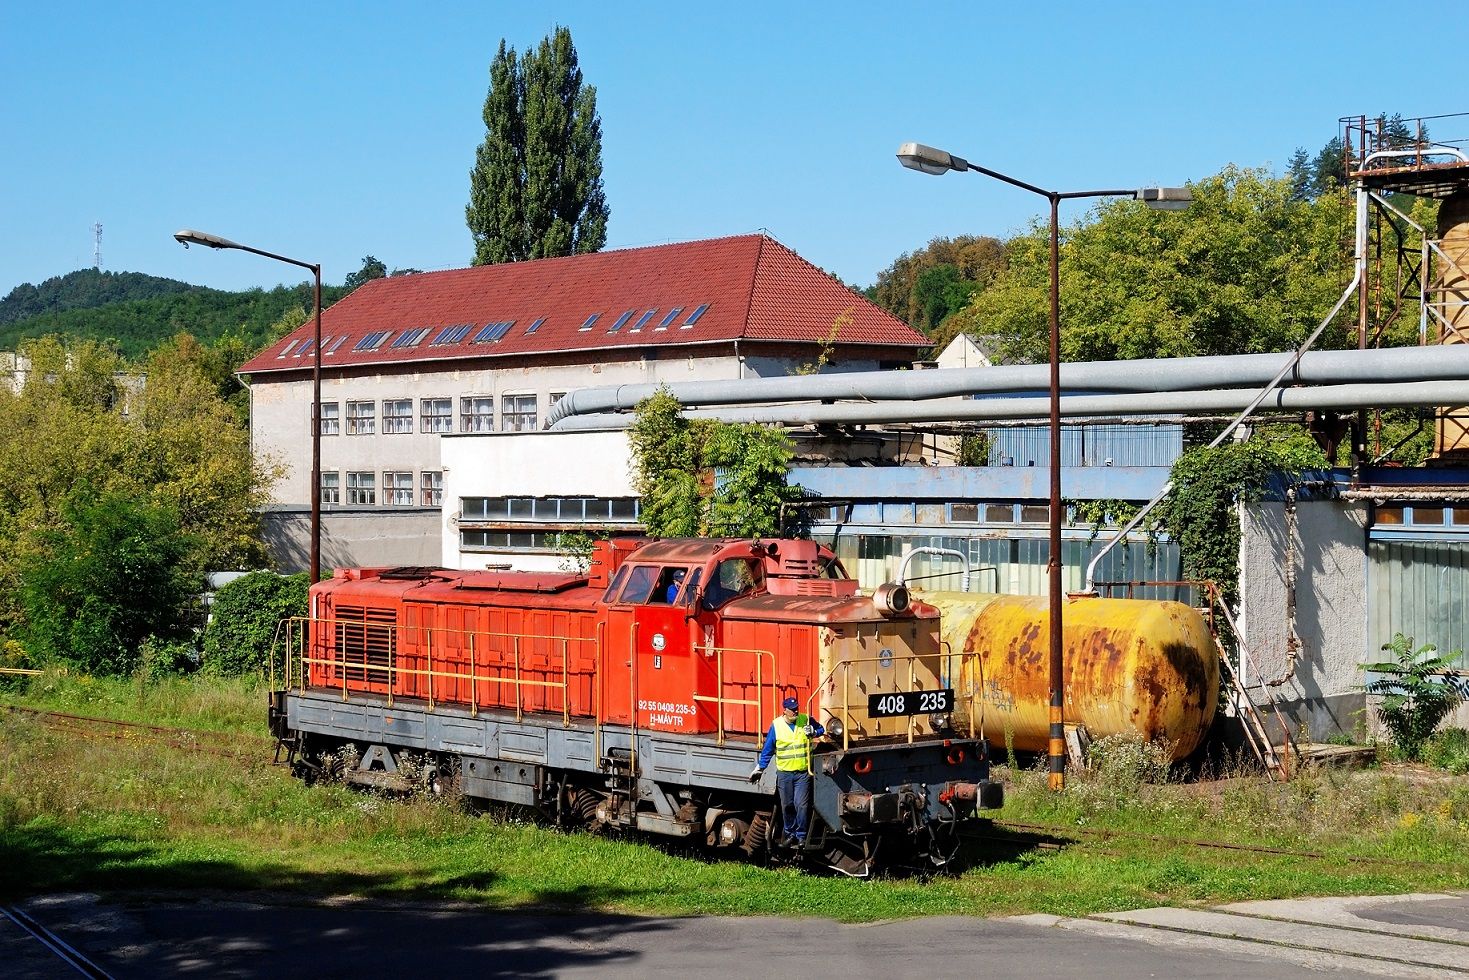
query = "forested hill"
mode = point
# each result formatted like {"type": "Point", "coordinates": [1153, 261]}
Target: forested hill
{"type": "Point", "coordinates": [83, 289]}
{"type": "Point", "coordinates": [137, 324]}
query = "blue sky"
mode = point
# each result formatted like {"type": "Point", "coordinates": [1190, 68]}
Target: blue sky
{"type": "Point", "coordinates": [329, 131]}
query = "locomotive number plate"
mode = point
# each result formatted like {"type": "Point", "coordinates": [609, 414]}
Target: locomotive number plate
{"type": "Point", "coordinates": [909, 703]}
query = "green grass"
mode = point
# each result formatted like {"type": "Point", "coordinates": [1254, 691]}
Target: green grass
{"type": "Point", "coordinates": [112, 816]}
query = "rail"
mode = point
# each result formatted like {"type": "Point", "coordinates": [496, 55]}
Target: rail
{"type": "Point", "coordinates": [305, 647]}
{"type": "Point", "coordinates": [720, 701]}
{"type": "Point", "coordinates": [846, 716]}
{"type": "Point", "coordinates": [302, 643]}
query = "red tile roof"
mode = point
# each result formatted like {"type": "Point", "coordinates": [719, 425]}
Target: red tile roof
{"type": "Point", "coordinates": [745, 287]}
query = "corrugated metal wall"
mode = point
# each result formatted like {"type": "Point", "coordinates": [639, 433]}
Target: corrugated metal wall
{"type": "Point", "coordinates": [1420, 588]}
{"type": "Point", "coordinates": [1015, 566]}
{"type": "Point", "coordinates": [1092, 445]}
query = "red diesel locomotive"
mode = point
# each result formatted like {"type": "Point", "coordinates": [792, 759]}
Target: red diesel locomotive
{"type": "Point", "coordinates": [637, 696]}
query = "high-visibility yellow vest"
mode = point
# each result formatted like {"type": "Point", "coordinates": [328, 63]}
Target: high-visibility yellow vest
{"type": "Point", "coordinates": [792, 747]}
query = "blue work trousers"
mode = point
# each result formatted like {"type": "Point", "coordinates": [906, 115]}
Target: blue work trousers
{"type": "Point", "coordinates": [795, 801]}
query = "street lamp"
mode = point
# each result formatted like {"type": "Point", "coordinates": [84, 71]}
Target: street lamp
{"type": "Point", "coordinates": [926, 159]}
{"type": "Point", "coordinates": [188, 237]}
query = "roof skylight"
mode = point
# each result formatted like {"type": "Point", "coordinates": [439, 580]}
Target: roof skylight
{"type": "Point", "coordinates": [372, 341]}
{"type": "Point", "coordinates": [492, 332]}
{"type": "Point", "coordinates": [643, 320]}
{"type": "Point", "coordinates": [535, 326]}
{"type": "Point", "coordinates": [672, 315]}
{"type": "Point", "coordinates": [451, 334]}
{"type": "Point", "coordinates": [411, 338]}
{"type": "Point", "coordinates": [694, 316]}
{"type": "Point", "coordinates": [621, 321]}
{"type": "Point", "coordinates": [591, 321]}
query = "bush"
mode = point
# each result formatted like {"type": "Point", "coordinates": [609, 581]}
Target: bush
{"type": "Point", "coordinates": [1415, 694]}
{"type": "Point", "coordinates": [244, 618]}
{"type": "Point", "coordinates": [1448, 749]}
{"type": "Point", "coordinates": [159, 658]}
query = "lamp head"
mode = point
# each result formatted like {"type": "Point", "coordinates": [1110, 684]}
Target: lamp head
{"type": "Point", "coordinates": [916, 156]}
{"type": "Point", "coordinates": [1166, 198]}
{"type": "Point", "coordinates": [188, 236]}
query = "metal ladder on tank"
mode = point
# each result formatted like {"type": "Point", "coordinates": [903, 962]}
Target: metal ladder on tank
{"type": "Point", "coordinates": [1276, 762]}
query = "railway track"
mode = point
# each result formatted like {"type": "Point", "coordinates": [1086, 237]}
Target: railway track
{"type": "Point", "coordinates": [209, 743]}
{"type": "Point", "coordinates": [59, 947]}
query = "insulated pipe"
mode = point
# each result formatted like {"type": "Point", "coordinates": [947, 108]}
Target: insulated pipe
{"type": "Point", "coordinates": [1147, 375]}
{"type": "Point", "coordinates": [1410, 393]}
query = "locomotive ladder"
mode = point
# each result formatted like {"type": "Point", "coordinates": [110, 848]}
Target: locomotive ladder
{"type": "Point", "coordinates": [1277, 763]}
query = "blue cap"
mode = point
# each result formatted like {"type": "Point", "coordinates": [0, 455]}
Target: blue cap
{"type": "Point", "coordinates": [790, 704]}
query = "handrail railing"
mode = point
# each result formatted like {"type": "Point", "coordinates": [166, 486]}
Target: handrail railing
{"type": "Point", "coordinates": [719, 700]}
{"type": "Point", "coordinates": [296, 663]}
{"type": "Point", "coordinates": [845, 667]}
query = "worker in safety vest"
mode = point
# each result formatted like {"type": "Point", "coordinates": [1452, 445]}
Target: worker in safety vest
{"type": "Point", "coordinates": [789, 742]}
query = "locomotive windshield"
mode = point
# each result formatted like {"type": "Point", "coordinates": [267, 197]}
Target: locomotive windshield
{"type": "Point", "coordinates": [733, 578]}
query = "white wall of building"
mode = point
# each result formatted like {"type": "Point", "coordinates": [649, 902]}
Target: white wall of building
{"type": "Point", "coordinates": [1329, 560]}
{"type": "Point", "coordinates": [526, 464]}
{"type": "Point", "coordinates": [281, 410]}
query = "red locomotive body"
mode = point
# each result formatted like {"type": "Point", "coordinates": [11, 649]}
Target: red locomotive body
{"type": "Point", "coordinates": [638, 694]}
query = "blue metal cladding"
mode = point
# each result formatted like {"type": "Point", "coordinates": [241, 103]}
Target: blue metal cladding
{"type": "Point", "coordinates": [1092, 445]}
{"type": "Point", "coordinates": [1419, 587]}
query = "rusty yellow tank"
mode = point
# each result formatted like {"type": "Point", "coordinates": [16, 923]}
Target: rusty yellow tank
{"type": "Point", "coordinates": [1130, 665]}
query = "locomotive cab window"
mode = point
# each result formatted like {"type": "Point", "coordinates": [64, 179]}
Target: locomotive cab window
{"type": "Point", "coordinates": [640, 582]}
{"type": "Point", "coordinates": [670, 583]}
{"type": "Point", "coordinates": [733, 578]}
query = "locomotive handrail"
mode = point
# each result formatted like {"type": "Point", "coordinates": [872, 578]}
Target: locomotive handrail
{"type": "Point", "coordinates": [845, 667]}
{"type": "Point", "coordinates": [394, 671]}
{"type": "Point", "coordinates": [720, 700]}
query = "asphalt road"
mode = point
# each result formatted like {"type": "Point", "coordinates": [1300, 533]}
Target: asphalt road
{"type": "Point", "coordinates": [1412, 936]}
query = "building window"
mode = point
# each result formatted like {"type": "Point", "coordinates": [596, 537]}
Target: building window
{"type": "Point", "coordinates": [436, 415]}
{"type": "Point", "coordinates": [398, 416]}
{"type": "Point", "coordinates": [963, 512]}
{"type": "Point", "coordinates": [361, 418]}
{"type": "Point", "coordinates": [477, 414]}
{"type": "Point", "coordinates": [555, 399]}
{"type": "Point", "coordinates": [597, 511]}
{"type": "Point", "coordinates": [432, 487]}
{"type": "Point", "coordinates": [398, 488]}
{"type": "Point", "coordinates": [331, 418]}
{"type": "Point", "coordinates": [361, 488]}
{"type": "Point", "coordinates": [518, 413]}
{"type": "Point", "coordinates": [331, 487]}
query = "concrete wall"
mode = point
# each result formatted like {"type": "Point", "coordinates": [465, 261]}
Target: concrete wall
{"type": "Point", "coordinates": [1328, 553]}
{"type": "Point", "coordinates": [353, 538]}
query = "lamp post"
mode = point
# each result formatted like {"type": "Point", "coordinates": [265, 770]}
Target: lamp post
{"type": "Point", "coordinates": [926, 159]}
{"type": "Point", "coordinates": [188, 237]}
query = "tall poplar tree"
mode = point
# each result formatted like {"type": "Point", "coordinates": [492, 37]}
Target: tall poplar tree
{"type": "Point", "coordinates": [536, 187]}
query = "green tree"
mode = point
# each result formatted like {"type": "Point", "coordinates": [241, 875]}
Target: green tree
{"type": "Point", "coordinates": [535, 190]}
{"type": "Point", "coordinates": [913, 290]}
{"type": "Point", "coordinates": [372, 268]}
{"type": "Point", "coordinates": [113, 572]}
{"type": "Point", "coordinates": [1245, 269]}
{"type": "Point", "coordinates": [163, 438]}
{"type": "Point", "coordinates": [704, 477]}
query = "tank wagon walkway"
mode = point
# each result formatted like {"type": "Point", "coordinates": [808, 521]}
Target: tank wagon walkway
{"type": "Point", "coordinates": [1395, 936]}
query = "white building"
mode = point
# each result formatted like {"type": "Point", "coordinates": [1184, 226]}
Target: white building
{"type": "Point", "coordinates": [406, 360]}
